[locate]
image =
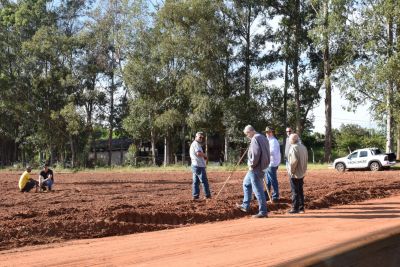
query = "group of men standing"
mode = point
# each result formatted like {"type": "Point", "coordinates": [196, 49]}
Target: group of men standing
{"type": "Point", "coordinates": [263, 160]}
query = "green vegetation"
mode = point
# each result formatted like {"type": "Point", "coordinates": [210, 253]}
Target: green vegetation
{"type": "Point", "coordinates": [76, 72]}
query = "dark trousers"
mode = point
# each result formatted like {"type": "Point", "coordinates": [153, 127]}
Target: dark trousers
{"type": "Point", "coordinates": [297, 193]}
{"type": "Point", "coordinates": [29, 185]}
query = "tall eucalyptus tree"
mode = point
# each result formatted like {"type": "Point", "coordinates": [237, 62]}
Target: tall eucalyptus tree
{"type": "Point", "coordinates": [330, 37]}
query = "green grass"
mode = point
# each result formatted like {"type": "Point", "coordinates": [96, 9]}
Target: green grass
{"type": "Point", "coordinates": [396, 167]}
{"type": "Point", "coordinates": [172, 168]}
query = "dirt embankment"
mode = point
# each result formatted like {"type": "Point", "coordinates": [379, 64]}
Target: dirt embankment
{"type": "Point", "coordinates": [87, 205]}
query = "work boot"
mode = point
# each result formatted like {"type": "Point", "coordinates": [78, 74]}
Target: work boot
{"type": "Point", "coordinates": [241, 208]}
{"type": "Point", "coordinates": [260, 216]}
{"type": "Point", "coordinates": [275, 200]}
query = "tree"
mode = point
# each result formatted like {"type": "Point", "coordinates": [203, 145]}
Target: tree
{"type": "Point", "coordinates": [329, 36]}
{"type": "Point", "coordinates": [302, 65]}
{"type": "Point", "coordinates": [118, 16]}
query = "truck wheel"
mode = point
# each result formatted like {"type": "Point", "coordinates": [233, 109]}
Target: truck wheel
{"type": "Point", "coordinates": [340, 167]}
{"type": "Point", "coordinates": [375, 166]}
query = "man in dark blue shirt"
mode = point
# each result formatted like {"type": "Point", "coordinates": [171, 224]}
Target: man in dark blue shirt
{"type": "Point", "coordinates": [46, 178]}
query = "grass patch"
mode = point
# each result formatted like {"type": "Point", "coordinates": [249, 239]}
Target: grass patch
{"type": "Point", "coordinates": [212, 166]}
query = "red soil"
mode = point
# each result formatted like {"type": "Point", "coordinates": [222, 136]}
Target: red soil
{"type": "Point", "coordinates": [88, 205]}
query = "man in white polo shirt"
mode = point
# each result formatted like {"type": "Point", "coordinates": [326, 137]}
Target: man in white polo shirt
{"type": "Point", "coordinates": [199, 158]}
{"type": "Point", "coordinates": [275, 160]}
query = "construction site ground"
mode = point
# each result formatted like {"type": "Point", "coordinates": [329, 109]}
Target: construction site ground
{"type": "Point", "coordinates": [88, 205]}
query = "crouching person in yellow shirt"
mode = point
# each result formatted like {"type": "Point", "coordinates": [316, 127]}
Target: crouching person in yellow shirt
{"type": "Point", "coordinates": [25, 182]}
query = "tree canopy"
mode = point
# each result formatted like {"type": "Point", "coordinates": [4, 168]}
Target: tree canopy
{"type": "Point", "coordinates": [74, 72]}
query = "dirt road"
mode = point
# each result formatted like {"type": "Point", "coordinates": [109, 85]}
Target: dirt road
{"type": "Point", "coordinates": [240, 242]}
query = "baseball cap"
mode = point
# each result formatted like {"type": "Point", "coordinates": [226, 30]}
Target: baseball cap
{"type": "Point", "coordinates": [269, 129]}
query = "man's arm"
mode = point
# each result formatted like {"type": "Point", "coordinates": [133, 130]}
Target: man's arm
{"type": "Point", "coordinates": [199, 152]}
{"type": "Point", "coordinates": [274, 149]}
{"type": "Point", "coordinates": [255, 153]}
{"type": "Point", "coordinates": [293, 159]}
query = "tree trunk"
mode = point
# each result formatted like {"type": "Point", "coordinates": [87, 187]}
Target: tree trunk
{"type": "Point", "coordinates": [296, 58]}
{"type": "Point", "coordinates": [165, 151]}
{"type": "Point", "coordinates": [23, 157]}
{"type": "Point", "coordinates": [206, 143]}
{"type": "Point", "coordinates": [247, 59]}
{"type": "Point", "coordinates": [153, 146]}
{"type": "Point", "coordinates": [398, 88]}
{"type": "Point", "coordinates": [328, 90]}
{"type": "Point", "coordinates": [389, 118]}
{"type": "Point", "coordinates": [71, 140]}
{"type": "Point", "coordinates": [285, 100]}
{"type": "Point", "coordinates": [183, 145]}
{"type": "Point", "coordinates": [15, 157]}
{"type": "Point", "coordinates": [226, 147]}
{"type": "Point", "coordinates": [398, 141]}
{"type": "Point", "coordinates": [285, 94]}
{"type": "Point", "coordinates": [389, 93]}
{"type": "Point", "coordinates": [111, 120]}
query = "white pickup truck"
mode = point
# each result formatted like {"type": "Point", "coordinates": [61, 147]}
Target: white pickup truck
{"type": "Point", "coordinates": [371, 158]}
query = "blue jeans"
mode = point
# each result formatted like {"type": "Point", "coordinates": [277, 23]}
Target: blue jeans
{"type": "Point", "coordinates": [48, 183]}
{"type": "Point", "coordinates": [200, 175]}
{"type": "Point", "coordinates": [271, 177]}
{"type": "Point", "coordinates": [254, 182]}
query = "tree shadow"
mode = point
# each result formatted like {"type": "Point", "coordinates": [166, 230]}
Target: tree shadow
{"type": "Point", "coordinates": [383, 214]}
{"type": "Point", "coordinates": [366, 217]}
{"type": "Point", "coordinates": [364, 208]}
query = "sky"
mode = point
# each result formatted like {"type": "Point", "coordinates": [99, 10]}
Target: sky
{"type": "Point", "coordinates": [340, 116]}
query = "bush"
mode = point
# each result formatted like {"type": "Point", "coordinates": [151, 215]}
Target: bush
{"type": "Point", "coordinates": [131, 155]}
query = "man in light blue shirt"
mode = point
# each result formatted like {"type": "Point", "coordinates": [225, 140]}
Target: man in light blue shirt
{"type": "Point", "coordinates": [199, 158]}
{"type": "Point", "coordinates": [275, 160]}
